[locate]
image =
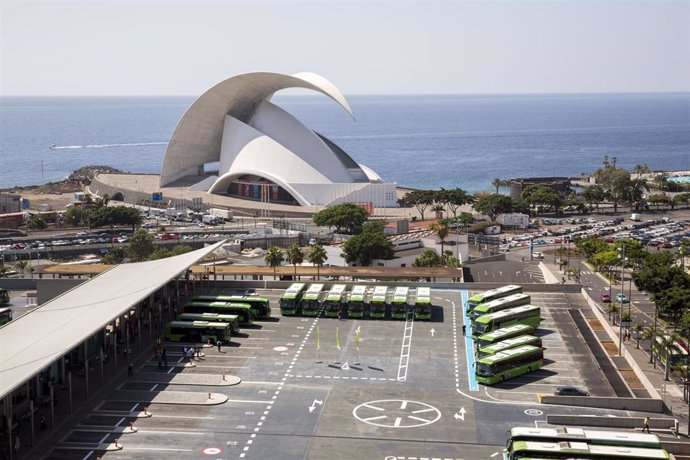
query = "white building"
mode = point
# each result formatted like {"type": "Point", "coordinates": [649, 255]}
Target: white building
{"type": "Point", "coordinates": [264, 153]}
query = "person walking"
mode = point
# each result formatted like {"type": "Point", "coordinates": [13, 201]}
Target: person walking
{"type": "Point", "coordinates": [164, 355]}
{"type": "Point", "coordinates": [17, 443]}
{"type": "Point", "coordinates": [220, 344]}
{"type": "Point", "coordinates": [43, 422]}
{"type": "Point", "coordinates": [130, 369]}
{"type": "Point", "coordinates": [646, 425]}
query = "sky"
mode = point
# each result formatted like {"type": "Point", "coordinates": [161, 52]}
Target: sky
{"type": "Point", "coordinates": [64, 48]}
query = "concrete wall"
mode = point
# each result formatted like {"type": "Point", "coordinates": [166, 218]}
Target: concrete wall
{"type": "Point", "coordinates": [18, 284]}
{"type": "Point", "coordinates": [637, 404]}
{"type": "Point", "coordinates": [48, 289]}
{"type": "Point", "coordinates": [657, 423]}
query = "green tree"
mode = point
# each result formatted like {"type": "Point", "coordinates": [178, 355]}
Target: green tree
{"type": "Point", "coordinates": [21, 265]}
{"type": "Point", "coordinates": [613, 180]}
{"type": "Point", "coordinates": [371, 244]}
{"type": "Point", "coordinates": [492, 205]}
{"type": "Point", "coordinates": [346, 218]}
{"type": "Point", "coordinates": [274, 257]}
{"type": "Point", "coordinates": [590, 246]}
{"type": "Point", "coordinates": [666, 346]}
{"type": "Point", "coordinates": [140, 246]}
{"type": "Point", "coordinates": [541, 196]}
{"type": "Point", "coordinates": [114, 256]}
{"type": "Point", "coordinates": [76, 216]}
{"type": "Point", "coordinates": [650, 333]}
{"type": "Point", "coordinates": [659, 199]}
{"type": "Point", "coordinates": [456, 198]}
{"type": "Point", "coordinates": [606, 259]}
{"type": "Point", "coordinates": [294, 256]}
{"type": "Point", "coordinates": [681, 198]}
{"type": "Point", "coordinates": [37, 223]}
{"type": "Point", "coordinates": [180, 249]}
{"type": "Point", "coordinates": [115, 215]}
{"type": "Point", "coordinates": [673, 302]}
{"type": "Point", "coordinates": [441, 229]}
{"type": "Point", "coordinates": [318, 255]}
{"type": "Point", "coordinates": [161, 252]}
{"type": "Point", "coordinates": [638, 327]}
{"type": "Point", "coordinates": [420, 199]}
{"type": "Point", "coordinates": [634, 192]}
{"type": "Point", "coordinates": [594, 195]}
{"type": "Point", "coordinates": [428, 258]}
{"type": "Point", "coordinates": [498, 183]}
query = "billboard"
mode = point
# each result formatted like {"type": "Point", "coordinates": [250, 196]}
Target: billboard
{"type": "Point", "coordinates": [157, 196]}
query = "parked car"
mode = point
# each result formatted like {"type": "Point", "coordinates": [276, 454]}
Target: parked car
{"type": "Point", "coordinates": [622, 298]}
{"type": "Point", "coordinates": [605, 298]}
{"type": "Point", "coordinates": [567, 390]}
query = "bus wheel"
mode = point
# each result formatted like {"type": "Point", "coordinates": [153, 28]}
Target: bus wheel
{"type": "Point", "coordinates": [529, 369]}
{"type": "Point", "coordinates": [501, 379]}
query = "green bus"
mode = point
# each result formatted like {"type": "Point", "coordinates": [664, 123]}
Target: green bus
{"type": "Point", "coordinates": [525, 314]}
{"type": "Point", "coordinates": [508, 344]}
{"type": "Point", "coordinates": [399, 304]}
{"type": "Point", "coordinates": [422, 303]}
{"type": "Point", "coordinates": [355, 301]}
{"type": "Point", "coordinates": [232, 320]}
{"type": "Point", "coordinates": [513, 300]}
{"type": "Point", "coordinates": [5, 315]}
{"type": "Point", "coordinates": [334, 301]}
{"type": "Point", "coordinates": [582, 451]}
{"type": "Point", "coordinates": [508, 364]}
{"type": "Point", "coordinates": [504, 333]}
{"type": "Point", "coordinates": [491, 294]}
{"type": "Point", "coordinates": [261, 307]}
{"type": "Point", "coordinates": [242, 310]}
{"type": "Point", "coordinates": [310, 301]}
{"type": "Point", "coordinates": [196, 331]}
{"type": "Point", "coordinates": [678, 353]}
{"type": "Point", "coordinates": [378, 302]}
{"type": "Point", "coordinates": [291, 300]}
{"type": "Point", "coordinates": [606, 438]}
{"type": "Point", "coordinates": [4, 297]}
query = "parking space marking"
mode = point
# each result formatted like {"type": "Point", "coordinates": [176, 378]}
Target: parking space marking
{"type": "Point", "coordinates": [406, 346]}
{"type": "Point", "coordinates": [469, 347]}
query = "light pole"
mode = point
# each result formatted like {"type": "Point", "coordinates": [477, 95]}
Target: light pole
{"type": "Point", "coordinates": [621, 256]}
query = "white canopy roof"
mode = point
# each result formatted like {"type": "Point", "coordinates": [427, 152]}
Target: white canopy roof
{"type": "Point", "coordinates": [34, 341]}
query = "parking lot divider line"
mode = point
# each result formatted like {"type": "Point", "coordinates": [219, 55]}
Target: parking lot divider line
{"type": "Point", "coordinates": [469, 346]}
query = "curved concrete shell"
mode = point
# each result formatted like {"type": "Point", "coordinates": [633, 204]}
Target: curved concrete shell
{"type": "Point", "coordinates": [259, 145]}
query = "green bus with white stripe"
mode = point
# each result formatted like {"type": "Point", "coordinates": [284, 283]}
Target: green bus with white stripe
{"type": "Point", "coordinates": [378, 302]}
{"type": "Point", "coordinates": [508, 364]}
{"type": "Point", "coordinates": [422, 304]}
{"type": "Point", "coordinates": [261, 307]}
{"type": "Point", "coordinates": [242, 310]}
{"type": "Point", "coordinates": [582, 450]}
{"type": "Point", "coordinates": [197, 331]}
{"type": "Point", "coordinates": [508, 344]}
{"type": "Point", "coordinates": [355, 301]}
{"type": "Point", "coordinates": [291, 300]}
{"type": "Point", "coordinates": [525, 314]}
{"type": "Point", "coordinates": [491, 294]}
{"type": "Point", "coordinates": [513, 300]}
{"type": "Point", "coordinates": [334, 301]}
{"type": "Point", "coordinates": [232, 320]}
{"type": "Point", "coordinates": [310, 302]}
{"type": "Point", "coordinates": [399, 304]}
{"type": "Point", "coordinates": [504, 333]}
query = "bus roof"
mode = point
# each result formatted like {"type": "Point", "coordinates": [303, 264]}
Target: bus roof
{"type": "Point", "coordinates": [379, 293]}
{"type": "Point", "coordinates": [581, 448]}
{"type": "Point", "coordinates": [510, 343]}
{"type": "Point", "coordinates": [293, 290]}
{"type": "Point", "coordinates": [208, 316]}
{"type": "Point", "coordinates": [313, 291]}
{"type": "Point", "coordinates": [506, 313]}
{"type": "Point", "coordinates": [495, 291]}
{"type": "Point", "coordinates": [336, 292]}
{"type": "Point", "coordinates": [199, 324]}
{"type": "Point", "coordinates": [400, 294]}
{"type": "Point", "coordinates": [502, 300]}
{"type": "Point", "coordinates": [423, 294]}
{"type": "Point", "coordinates": [241, 297]}
{"type": "Point", "coordinates": [507, 331]}
{"type": "Point", "coordinates": [358, 292]}
{"type": "Point", "coordinates": [508, 354]}
{"type": "Point", "coordinates": [218, 304]}
{"type": "Point", "coordinates": [610, 437]}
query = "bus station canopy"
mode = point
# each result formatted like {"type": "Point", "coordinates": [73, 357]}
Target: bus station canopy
{"type": "Point", "coordinates": [34, 341]}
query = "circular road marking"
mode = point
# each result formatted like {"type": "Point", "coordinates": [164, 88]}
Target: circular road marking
{"type": "Point", "coordinates": [396, 413]}
{"type": "Point", "coordinates": [212, 451]}
{"type": "Point", "coordinates": [533, 412]}
{"type": "Point", "coordinates": [280, 348]}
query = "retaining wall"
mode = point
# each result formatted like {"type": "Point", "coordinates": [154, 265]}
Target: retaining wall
{"type": "Point", "coordinates": [636, 404]}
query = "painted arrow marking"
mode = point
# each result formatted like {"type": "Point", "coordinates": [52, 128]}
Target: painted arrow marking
{"type": "Point", "coordinates": [432, 331]}
{"type": "Point", "coordinates": [316, 402]}
{"type": "Point", "coordinates": [460, 415]}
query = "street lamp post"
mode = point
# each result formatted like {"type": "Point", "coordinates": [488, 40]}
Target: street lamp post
{"type": "Point", "coordinates": [621, 256]}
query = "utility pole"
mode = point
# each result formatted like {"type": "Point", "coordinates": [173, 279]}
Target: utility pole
{"type": "Point", "coordinates": [621, 256]}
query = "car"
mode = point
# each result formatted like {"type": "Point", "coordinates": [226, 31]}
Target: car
{"type": "Point", "coordinates": [79, 234]}
{"type": "Point", "coordinates": [567, 390]}
{"type": "Point", "coordinates": [538, 255]}
{"type": "Point", "coordinates": [605, 298]}
{"type": "Point", "coordinates": [622, 298]}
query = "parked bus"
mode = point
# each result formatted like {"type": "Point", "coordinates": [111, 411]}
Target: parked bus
{"type": "Point", "coordinates": [291, 300]}
{"type": "Point", "coordinates": [4, 297]}
{"type": "Point", "coordinates": [310, 301]}
{"type": "Point", "coordinates": [197, 331]}
{"type": "Point", "coordinates": [422, 304]}
{"type": "Point", "coordinates": [679, 353]}
{"type": "Point", "coordinates": [607, 438]}
{"type": "Point", "coordinates": [355, 302]}
{"type": "Point", "coordinates": [232, 320]}
{"type": "Point", "coordinates": [261, 307]}
{"type": "Point", "coordinates": [504, 333]}
{"type": "Point", "coordinates": [491, 294]}
{"type": "Point", "coordinates": [5, 315]}
{"type": "Point", "coordinates": [508, 364]}
{"type": "Point", "coordinates": [334, 301]}
{"type": "Point", "coordinates": [378, 302]}
{"type": "Point", "coordinates": [242, 310]}
{"type": "Point", "coordinates": [525, 314]}
{"type": "Point", "coordinates": [399, 304]}
{"type": "Point", "coordinates": [582, 451]}
{"type": "Point", "coordinates": [508, 344]}
{"type": "Point", "coordinates": [513, 300]}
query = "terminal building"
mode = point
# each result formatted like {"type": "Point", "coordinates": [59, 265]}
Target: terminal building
{"type": "Point", "coordinates": [263, 153]}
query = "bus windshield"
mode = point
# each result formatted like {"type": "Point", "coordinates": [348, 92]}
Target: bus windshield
{"type": "Point", "coordinates": [4, 297]}
{"type": "Point", "coordinates": [5, 315]}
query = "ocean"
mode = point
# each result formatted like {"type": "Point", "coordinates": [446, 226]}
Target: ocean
{"type": "Point", "coordinates": [415, 141]}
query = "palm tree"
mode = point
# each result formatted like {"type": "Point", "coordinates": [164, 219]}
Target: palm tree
{"type": "Point", "coordinates": [274, 257]}
{"type": "Point", "coordinates": [317, 256]}
{"type": "Point", "coordinates": [638, 327]}
{"type": "Point", "coordinates": [497, 183]}
{"type": "Point", "coordinates": [635, 192]}
{"type": "Point", "coordinates": [666, 347]}
{"type": "Point", "coordinates": [21, 265]}
{"type": "Point", "coordinates": [294, 256]}
{"type": "Point", "coordinates": [649, 333]}
{"type": "Point", "coordinates": [612, 311]}
{"type": "Point", "coordinates": [441, 228]}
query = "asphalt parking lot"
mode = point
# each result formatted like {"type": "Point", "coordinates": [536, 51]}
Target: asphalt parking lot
{"type": "Point", "coordinates": [315, 388]}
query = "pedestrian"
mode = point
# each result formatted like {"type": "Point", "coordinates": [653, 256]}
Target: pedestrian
{"type": "Point", "coordinates": [562, 279]}
{"type": "Point", "coordinates": [220, 344]}
{"type": "Point", "coordinates": [17, 443]}
{"type": "Point", "coordinates": [164, 355]}
{"type": "Point", "coordinates": [43, 422]}
{"type": "Point", "coordinates": [198, 351]}
{"type": "Point", "coordinates": [130, 369]}
{"type": "Point", "coordinates": [646, 425]}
